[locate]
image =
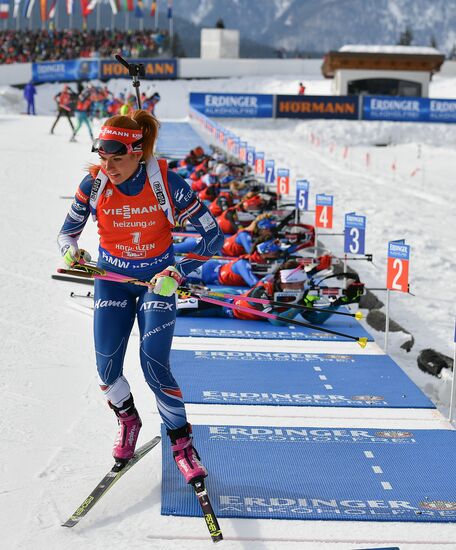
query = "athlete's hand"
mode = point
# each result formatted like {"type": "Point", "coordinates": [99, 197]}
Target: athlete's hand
{"type": "Point", "coordinates": [75, 255]}
{"type": "Point", "coordinates": [166, 282]}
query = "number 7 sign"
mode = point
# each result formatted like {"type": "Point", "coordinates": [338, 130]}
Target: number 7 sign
{"type": "Point", "coordinates": [398, 266]}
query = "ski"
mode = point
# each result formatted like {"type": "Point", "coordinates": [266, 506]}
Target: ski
{"type": "Point", "coordinates": [116, 472]}
{"type": "Point", "coordinates": [208, 512]}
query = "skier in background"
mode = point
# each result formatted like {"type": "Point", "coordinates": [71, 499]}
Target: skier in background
{"type": "Point", "coordinates": [29, 96]}
{"type": "Point", "coordinates": [124, 191]}
{"type": "Point", "coordinates": [83, 107]}
{"type": "Point", "coordinates": [65, 104]}
{"type": "Point", "coordinates": [302, 89]}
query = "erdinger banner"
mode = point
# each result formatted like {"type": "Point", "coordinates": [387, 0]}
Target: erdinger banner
{"type": "Point", "coordinates": [409, 109]}
{"type": "Point", "coordinates": [233, 105]}
{"type": "Point", "coordinates": [75, 69]}
{"type": "Point", "coordinates": [295, 106]}
{"type": "Point", "coordinates": [161, 69]}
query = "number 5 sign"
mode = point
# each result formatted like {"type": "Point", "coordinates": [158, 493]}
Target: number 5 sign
{"type": "Point", "coordinates": [302, 194]}
{"type": "Point", "coordinates": [324, 211]}
{"type": "Point", "coordinates": [283, 181]}
{"type": "Point", "coordinates": [398, 266]}
{"type": "Point", "coordinates": [355, 233]}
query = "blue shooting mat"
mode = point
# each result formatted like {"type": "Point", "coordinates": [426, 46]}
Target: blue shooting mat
{"type": "Point", "coordinates": [294, 379]}
{"type": "Point", "coordinates": [234, 328]}
{"type": "Point", "coordinates": [176, 139]}
{"type": "Point", "coordinates": [318, 474]}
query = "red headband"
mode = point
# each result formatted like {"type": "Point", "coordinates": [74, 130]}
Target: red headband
{"type": "Point", "coordinates": [124, 135]}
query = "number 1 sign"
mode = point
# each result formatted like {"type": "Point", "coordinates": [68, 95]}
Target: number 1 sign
{"type": "Point", "coordinates": [355, 233]}
{"type": "Point", "coordinates": [324, 211]}
{"type": "Point", "coordinates": [398, 266]}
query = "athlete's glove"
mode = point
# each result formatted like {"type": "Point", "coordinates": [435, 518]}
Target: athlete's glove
{"type": "Point", "coordinates": [352, 294]}
{"type": "Point", "coordinates": [166, 282]}
{"type": "Point", "coordinates": [75, 255]}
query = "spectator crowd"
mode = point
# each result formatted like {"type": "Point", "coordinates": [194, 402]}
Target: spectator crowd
{"type": "Point", "coordinates": [48, 45]}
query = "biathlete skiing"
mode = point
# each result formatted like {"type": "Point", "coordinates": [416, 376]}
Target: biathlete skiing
{"type": "Point", "coordinates": [136, 201]}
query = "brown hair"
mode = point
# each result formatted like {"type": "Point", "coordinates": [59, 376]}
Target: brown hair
{"type": "Point", "coordinates": [139, 120]}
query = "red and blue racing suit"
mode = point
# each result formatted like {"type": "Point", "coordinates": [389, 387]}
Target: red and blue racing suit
{"type": "Point", "coordinates": [136, 240]}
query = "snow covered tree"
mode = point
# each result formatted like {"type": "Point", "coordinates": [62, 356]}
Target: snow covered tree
{"type": "Point", "coordinates": [406, 37]}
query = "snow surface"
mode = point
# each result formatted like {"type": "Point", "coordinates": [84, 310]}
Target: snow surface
{"type": "Point", "coordinates": [56, 430]}
{"type": "Point", "coordinates": [371, 48]}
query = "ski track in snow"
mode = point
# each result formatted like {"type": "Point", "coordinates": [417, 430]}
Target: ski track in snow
{"type": "Point", "coordinates": [55, 424]}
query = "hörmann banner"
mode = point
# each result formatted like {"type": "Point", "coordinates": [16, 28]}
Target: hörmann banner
{"type": "Point", "coordinates": [162, 69]}
{"type": "Point", "coordinates": [409, 109]}
{"type": "Point", "coordinates": [295, 106]}
{"type": "Point", "coordinates": [233, 105]}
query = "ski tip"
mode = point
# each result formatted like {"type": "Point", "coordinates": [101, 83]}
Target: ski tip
{"type": "Point", "coordinates": [358, 315]}
{"type": "Point", "coordinates": [362, 342]}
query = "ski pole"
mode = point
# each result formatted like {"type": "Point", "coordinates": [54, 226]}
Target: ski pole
{"type": "Point", "coordinates": [362, 341]}
{"type": "Point", "coordinates": [98, 273]}
{"type": "Point", "coordinates": [358, 315]}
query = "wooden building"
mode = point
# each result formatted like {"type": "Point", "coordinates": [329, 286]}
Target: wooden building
{"type": "Point", "coordinates": [382, 70]}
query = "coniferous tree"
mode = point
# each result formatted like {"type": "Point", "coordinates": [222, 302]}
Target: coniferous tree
{"type": "Point", "coordinates": [406, 37]}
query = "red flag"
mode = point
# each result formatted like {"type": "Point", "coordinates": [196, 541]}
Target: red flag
{"type": "Point", "coordinates": [153, 8]}
{"type": "Point", "coordinates": [43, 10]}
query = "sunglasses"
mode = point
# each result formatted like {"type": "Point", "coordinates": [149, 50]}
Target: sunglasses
{"type": "Point", "coordinates": [113, 147]}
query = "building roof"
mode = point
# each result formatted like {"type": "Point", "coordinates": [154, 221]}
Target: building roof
{"type": "Point", "coordinates": [381, 58]}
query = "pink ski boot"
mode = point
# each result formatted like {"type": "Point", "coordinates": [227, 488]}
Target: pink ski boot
{"type": "Point", "coordinates": [185, 454]}
{"type": "Point", "coordinates": [127, 434]}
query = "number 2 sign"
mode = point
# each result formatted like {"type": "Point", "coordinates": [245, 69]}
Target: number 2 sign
{"type": "Point", "coordinates": [324, 211]}
{"type": "Point", "coordinates": [398, 266]}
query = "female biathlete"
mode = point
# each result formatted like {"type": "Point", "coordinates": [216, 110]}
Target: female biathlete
{"type": "Point", "coordinates": [136, 201]}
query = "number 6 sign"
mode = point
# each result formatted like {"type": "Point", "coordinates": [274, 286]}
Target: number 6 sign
{"type": "Point", "coordinates": [283, 181]}
{"type": "Point", "coordinates": [324, 211]}
{"type": "Point", "coordinates": [398, 266]}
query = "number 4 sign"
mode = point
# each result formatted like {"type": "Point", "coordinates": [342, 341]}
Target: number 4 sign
{"type": "Point", "coordinates": [324, 211]}
{"type": "Point", "coordinates": [355, 233]}
{"type": "Point", "coordinates": [398, 266]}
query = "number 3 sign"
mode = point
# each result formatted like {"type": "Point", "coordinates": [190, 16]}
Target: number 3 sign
{"type": "Point", "coordinates": [398, 266]}
{"type": "Point", "coordinates": [355, 233]}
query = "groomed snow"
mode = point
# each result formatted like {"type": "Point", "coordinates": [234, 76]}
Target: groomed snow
{"type": "Point", "coordinates": [57, 431]}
